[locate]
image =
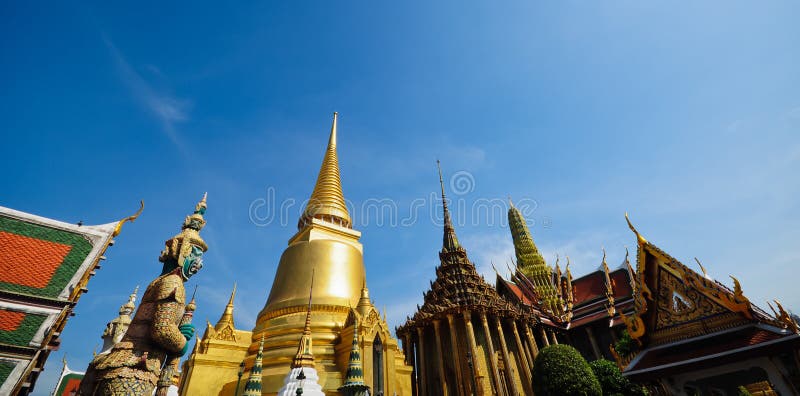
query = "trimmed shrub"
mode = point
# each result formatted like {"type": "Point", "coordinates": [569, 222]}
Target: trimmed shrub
{"type": "Point", "coordinates": [612, 381]}
{"type": "Point", "coordinates": [559, 370]}
{"type": "Point", "coordinates": [609, 376]}
{"type": "Point", "coordinates": [625, 345]}
{"type": "Point", "coordinates": [744, 392]}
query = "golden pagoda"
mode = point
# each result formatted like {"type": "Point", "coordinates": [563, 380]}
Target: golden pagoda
{"type": "Point", "coordinates": [327, 245]}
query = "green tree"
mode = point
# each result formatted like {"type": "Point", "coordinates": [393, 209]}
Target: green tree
{"type": "Point", "coordinates": [559, 370]}
{"type": "Point", "coordinates": [612, 381]}
{"type": "Point", "coordinates": [744, 392]}
{"type": "Point", "coordinates": [625, 345]}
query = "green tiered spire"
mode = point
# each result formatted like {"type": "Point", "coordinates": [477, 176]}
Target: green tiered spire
{"type": "Point", "coordinates": [354, 380]}
{"type": "Point", "coordinates": [531, 263]}
{"type": "Point", "coordinates": [253, 386]}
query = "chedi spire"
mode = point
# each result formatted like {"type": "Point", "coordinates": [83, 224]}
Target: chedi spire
{"type": "Point", "coordinates": [327, 200]}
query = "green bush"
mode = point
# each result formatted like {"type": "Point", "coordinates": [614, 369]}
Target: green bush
{"type": "Point", "coordinates": [612, 381]}
{"type": "Point", "coordinates": [559, 370]}
{"type": "Point", "coordinates": [609, 376]}
{"type": "Point", "coordinates": [744, 392]}
{"type": "Point", "coordinates": [625, 345]}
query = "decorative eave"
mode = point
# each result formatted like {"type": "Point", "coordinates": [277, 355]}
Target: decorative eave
{"type": "Point", "coordinates": [54, 305]}
{"type": "Point", "coordinates": [732, 307]}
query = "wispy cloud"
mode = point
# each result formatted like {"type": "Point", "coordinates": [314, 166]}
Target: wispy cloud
{"type": "Point", "coordinates": [168, 109]}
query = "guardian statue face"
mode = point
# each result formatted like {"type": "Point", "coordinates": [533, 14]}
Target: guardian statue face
{"type": "Point", "coordinates": [192, 263]}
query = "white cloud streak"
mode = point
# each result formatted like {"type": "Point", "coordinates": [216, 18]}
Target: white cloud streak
{"type": "Point", "coordinates": [165, 107]}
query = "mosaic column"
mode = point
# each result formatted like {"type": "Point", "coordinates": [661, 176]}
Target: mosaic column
{"type": "Point", "coordinates": [456, 358]}
{"type": "Point", "coordinates": [526, 366]}
{"type": "Point", "coordinates": [525, 347]}
{"type": "Point", "coordinates": [492, 357]}
{"type": "Point", "coordinates": [476, 368]}
{"type": "Point", "coordinates": [531, 342]}
{"type": "Point", "coordinates": [553, 335]}
{"type": "Point", "coordinates": [442, 378]}
{"type": "Point", "coordinates": [509, 370]}
{"type": "Point", "coordinates": [423, 383]}
{"type": "Point", "coordinates": [411, 361]}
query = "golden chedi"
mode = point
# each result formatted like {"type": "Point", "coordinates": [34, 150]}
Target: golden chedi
{"type": "Point", "coordinates": [327, 246]}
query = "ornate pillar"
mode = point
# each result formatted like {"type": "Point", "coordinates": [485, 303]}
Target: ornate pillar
{"type": "Point", "coordinates": [476, 369]}
{"type": "Point", "coordinates": [544, 336]}
{"type": "Point", "coordinates": [554, 338]}
{"type": "Point", "coordinates": [442, 378]}
{"type": "Point", "coordinates": [509, 370]}
{"type": "Point", "coordinates": [492, 357]}
{"type": "Point", "coordinates": [593, 341]}
{"type": "Point", "coordinates": [408, 349]}
{"type": "Point", "coordinates": [526, 348]}
{"type": "Point", "coordinates": [526, 365]}
{"type": "Point", "coordinates": [461, 388]}
{"type": "Point", "coordinates": [531, 342]}
{"type": "Point", "coordinates": [423, 378]}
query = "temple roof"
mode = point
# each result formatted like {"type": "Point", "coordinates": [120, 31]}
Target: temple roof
{"type": "Point", "coordinates": [45, 266]}
{"type": "Point", "coordinates": [458, 287]}
{"type": "Point", "coordinates": [675, 306]}
{"type": "Point", "coordinates": [719, 348]}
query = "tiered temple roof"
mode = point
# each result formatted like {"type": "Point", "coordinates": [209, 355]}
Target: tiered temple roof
{"type": "Point", "coordinates": [458, 287]}
{"type": "Point", "coordinates": [45, 266]}
{"type": "Point", "coordinates": [683, 319]}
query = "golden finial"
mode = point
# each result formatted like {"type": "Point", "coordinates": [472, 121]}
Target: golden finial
{"type": "Point", "coordinates": [610, 307]}
{"type": "Point", "coordinates": [192, 305]}
{"type": "Point", "coordinates": [128, 307]}
{"type": "Point", "coordinates": [327, 200]}
{"type": "Point", "coordinates": [131, 218]}
{"type": "Point", "coordinates": [774, 312]}
{"type": "Point", "coordinates": [784, 317]}
{"type": "Point", "coordinates": [495, 269]}
{"type": "Point", "coordinates": [510, 202]}
{"type": "Point", "coordinates": [702, 268]}
{"type": "Point", "coordinates": [737, 288]}
{"type": "Point", "coordinates": [639, 237]}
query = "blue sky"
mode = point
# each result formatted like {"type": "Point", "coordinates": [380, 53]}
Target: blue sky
{"type": "Point", "coordinates": [684, 115]}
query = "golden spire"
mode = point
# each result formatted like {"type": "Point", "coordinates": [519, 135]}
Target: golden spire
{"type": "Point", "coordinates": [364, 302]}
{"type": "Point", "coordinates": [130, 306]}
{"type": "Point", "coordinates": [227, 314]}
{"type": "Point", "coordinates": [305, 355]}
{"type": "Point", "coordinates": [450, 241]}
{"type": "Point", "coordinates": [327, 200]}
